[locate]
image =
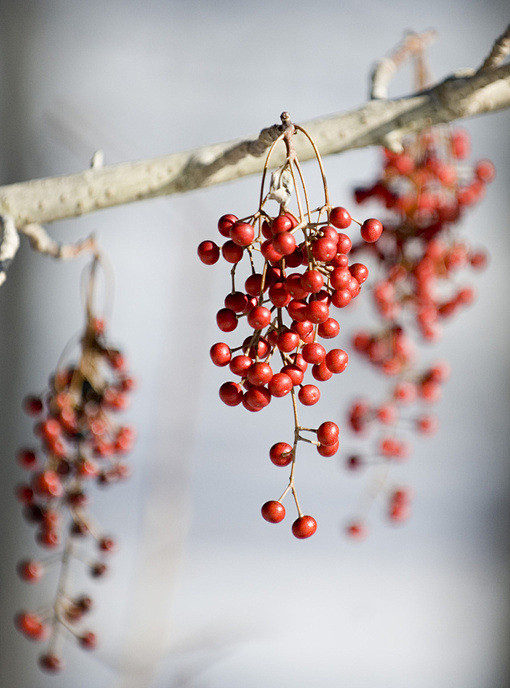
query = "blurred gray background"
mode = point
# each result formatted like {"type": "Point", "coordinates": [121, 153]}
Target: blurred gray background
{"type": "Point", "coordinates": [203, 592]}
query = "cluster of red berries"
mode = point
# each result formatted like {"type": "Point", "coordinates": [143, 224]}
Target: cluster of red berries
{"type": "Point", "coordinates": [306, 271]}
{"type": "Point", "coordinates": [81, 442]}
{"type": "Point", "coordinates": [418, 260]}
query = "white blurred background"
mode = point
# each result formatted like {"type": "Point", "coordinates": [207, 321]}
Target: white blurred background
{"type": "Point", "coordinates": [204, 593]}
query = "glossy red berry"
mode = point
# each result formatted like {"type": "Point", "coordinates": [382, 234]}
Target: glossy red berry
{"type": "Point", "coordinates": [225, 223]}
{"type": "Point", "coordinates": [226, 320]}
{"type": "Point", "coordinates": [273, 511]}
{"type": "Point", "coordinates": [208, 252]}
{"type": "Point", "coordinates": [304, 527]}
{"type": "Point", "coordinates": [309, 395]}
{"type": "Point", "coordinates": [371, 230]}
{"type": "Point", "coordinates": [340, 218]}
{"type": "Point", "coordinates": [336, 360]}
{"type": "Point", "coordinates": [328, 432]}
{"type": "Point", "coordinates": [281, 454]}
{"type": "Point", "coordinates": [242, 233]}
{"type": "Point", "coordinates": [231, 393]}
{"type": "Point", "coordinates": [30, 570]}
{"type": "Point", "coordinates": [220, 354]}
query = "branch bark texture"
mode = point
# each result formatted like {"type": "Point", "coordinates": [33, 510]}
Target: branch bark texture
{"type": "Point", "coordinates": [379, 122]}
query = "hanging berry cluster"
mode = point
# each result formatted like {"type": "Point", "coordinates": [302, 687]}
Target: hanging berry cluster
{"type": "Point", "coordinates": [428, 186]}
{"type": "Point", "coordinates": [286, 305]}
{"type": "Point", "coordinates": [81, 442]}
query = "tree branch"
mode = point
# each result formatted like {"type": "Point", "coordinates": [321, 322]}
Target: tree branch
{"type": "Point", "coordinates": [378, 122]}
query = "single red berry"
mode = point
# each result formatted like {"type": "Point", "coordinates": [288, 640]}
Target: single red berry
{"type": "Point", "coordinates": [30, 570]}
{"type": "Point", "coordinates": [287, 341]}
{"type": "Point", "coordinates": [324, 249]}
{"type": "Point", "coordinates": [231, 252]}
{"type": "Point", "coordinates": [256, 398]}
{"type": "Point", "coordinates": [336, 360]}
{"type": "Point", "coordinates": [280, 385]}
{"type": "Point", "coordinates": [259, 373]}
{"type": "Point", "coordinates": [273, 511]}
{"type": "Point", "coordinates": [359, 272]}
{"type": "Point", "coordinates": [27, 459]}
{"type": "Point", "coordinates": [98, 570]}
{"type": "Point", "coordinates": [341, 298]}
{"type": "Point", "coordinates": [240, 364]}
{"type": "Point", "coordinates": [208, 252]}
{"type": "Point", "coordinates": [485, 171]}
{"type": "Point", "coordinates": [309, 395]}
{"type": "Point", "coordinates": [259, 317]}
{"type": "Point", "coordinates": [279, 295]}
{"type": "Point", "coordinates": [327, 432]}
{"type": "Point", "coordinates": [313, 352]}
{"type": "Point", "coordinates": [340, 218]}
{"type": "Point", "coordinates": [33, 405]}
{"type": "Point", "coordinates": [220, 354]}
{"type": "Point", "coordinates": [47, 484]}
{"type": "Point", "coordinates": [282, 223]}
{"type": "Point", "coordinates": [281, 454]}
{"type": "Point", "coordinates": [236, 301]}
{"type": "Point", "coordinates": [344, 244]}
{"type": "Point", "coordinates": [225, 223]}
{"type": "Point", "coordinates": [312, 281]}
{"type": "Point", "coordinates": [51, 663]}
{"type": "Point", "coordinates": [31, 625]}
{"type": "Point", "coordinates": [107, 544]}
{"type": "Point", "coordinates": [284, 243]}
{"type": "Point", "coordinates": [226, 320]}
{"type": "Point", "coordinates": [321, 372]}
{"type": "Point", "coordinates": [356, 530]}
{"type": "Point", "coordinates": [294, 372]}
{"type": "Point", "coordinates": [303, 527]}
{"type": "Point", "coordinates": [242, 233]}
{"type": "Point", "coordinates": [231, 393]}
{"type": "Point", "coordinates": [88, 640]}
{"type": "Point", "coordinates": [371, 230]}
{"type": "Point", "coordinates": [328, 329]}
{"type": "Point", "coordinates": [253, 284]}
{"type": "Point", "coordinates": [317, 312]}
{"type": "Point", "coordinates": [270, 252]}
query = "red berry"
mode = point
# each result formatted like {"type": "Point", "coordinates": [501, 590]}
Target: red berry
{"type": "Point", "coordinates": [317, 312]}
{"type": "Point", "coordinates": [226, 320]}
{"type": "Point", "coordinates": [344, 244]}
{"type": "Point", "coordinates": [220, 354]}
{"type": "Point", "coordinates": [88, 640]}
{"type": "Point", "coordinates": [328, 449]}
{"type": "Point", "coordinates": [327, 432]}
{"type": "Point", "coordinates": [240, 364]}
{"type": "Point", "coordinates": [313, 352]}
{"type": "Point", "coordinates": [31, 625]}
{"type": "Point", "coordinates": [236, 301]}
{"type": "Point", "coordinates": [340, 218]}
{"type": "Point", "coordinates": [281, 454]}
{"type": "Point", "coordinates": [242, 233]}
{"type": "Point", "coordinates": [32, 405]}
{"type": "Point", "coordinates": [284, 243]}
{"type": "Point", "coordinates": [231, 252]}
{"type": "Point", "coordinates": [287, 341]}
{"type": "Point", "coordinates": [356, 530]}
{"type": "Point", "coordinates": [47, 484]}
{"type": "Point", "coordinates": [309, 395]}
{"type": "Point", "coordinates": [259, 373]}
{"type": "Point", "coordinates": [295, 373]}
{"type": "Point", "coordinates": [273, 511]}
{"type": "Point", "coordinates": [270, 252]}
{"type": "Point", "coordinates": [336, 360]}
{"type": "Point", "coordinates": [208, 252]}
{"type": "Point", "coordinates": [259, 317]}
{"type": "Point", "coordinates": [321, 372]}
{"type": "Point", "coordinates": [485, 171]}
{"type": "Point", "coordinates": [303, 527]}
{"type": "Point", "coordinates": [328, 329]}
{"type": "Point", "coordinates": [359, 272]}
{"type": "Point", "coordinates": [256, 398]}
{"type": "Point", "coordinates": [371, 230]}
{"type": "Point", "coordinates": [280, 385]}
{"type": "Point", "coordinates": [324, 249]}
{"type": "Point", "coordinates": [231, 393]}
{"type": "Point", "coordinates": [312, 281]}
{"type": "Point", "coordinates": [51, 662]}
{"type": "Point", "coordinates": [282, 223]}
{"type": "Point", "coordinates": [225, 223]}
{"type": "Point", "coordinates": [27, 458]}
{"type": "Point", "coordinates": [30, 571]}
